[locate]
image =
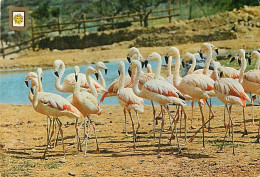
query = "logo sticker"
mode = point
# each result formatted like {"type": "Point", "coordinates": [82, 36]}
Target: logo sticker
{"type": "Point", "coordinates": [18, 18]}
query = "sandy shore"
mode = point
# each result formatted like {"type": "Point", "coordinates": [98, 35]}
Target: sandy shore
{"type": "Point", "coordinates": [23, 137]}
{"type": "Point", "coordinates": [45, 58]}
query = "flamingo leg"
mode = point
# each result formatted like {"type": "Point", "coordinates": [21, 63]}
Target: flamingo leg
{"type": "Point", "coordinates": [133, 126]}
{"type": "Point", "coordinates": [86, 135]}
{"type": "Point", "coordinates": [138, 126]}
{"type": "Point", "coordinates": [61, 133]}
{"type": "Point", "coordinates": [258, 135]}
{"type": "Point", "coordinates": [162, 124]}
{"type": "Point", "coordinates": [94, 128]}
{"type": "Point", "coordinates": [180, 122]}
{"type": "Point", "coordinates": [210, 106]}
{"type": "Point", "coordinates": [252, 104]}
{"type": "Point", "coordinates": [49, 140]}
{"type": "Point", "coordinates": [185, 123]}
{"type": "Point", "coordinates": [56, 140]}
{"type": "Point", "coordinates": [244, 120]}
{"type": "Point", "coordinates": [176, 133]}
{"type": "Point", "coordinates": [192, 107]}
{"type": "Point", "coordinates": [226, 129]}
{"type": "Point", "coordinates": [125, 122]}
{"type": "Point", "coordinates": [47, 128]}
{"type": "Point", "coordinates": [77, 136]}
{"type": "Point", "coordinates": [203, 122]}
{"type": "Point", "coordinates": [153, 119]}
{"type": "Point", "coordinates": [175, 120]}
{"type": "Point", "coordinates": [212, 116]}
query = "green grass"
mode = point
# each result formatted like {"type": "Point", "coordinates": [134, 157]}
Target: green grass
{"type": "Point", "coordinates": [52, 165]}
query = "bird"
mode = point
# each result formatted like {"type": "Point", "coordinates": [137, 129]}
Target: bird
{"type": "Point", "coordinates": [158, 91]}
{"type": "Point", "coordinates": [128, 100]}
{"type": "Point", "coordinates": [199, 87]}
{"type": "Point", "coordinates": [229, 91]}
{"type": "Point", "coordinates": [100, 65]}
{"type": "Point", "coordinates": [169, 77]}
{"type": "Point", "coordinates": [251, 79]}
{"type": "Point", "coordinates": [52, 105]}
{"type": "Point", "coordinates": [85, 102]}
{"type": "Point", "coordinates": [69, 80]}
{"type": "Point", "coordinates": [149, 68]}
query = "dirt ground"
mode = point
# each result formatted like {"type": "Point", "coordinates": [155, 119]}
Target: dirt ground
{"type": "Point", "coordinates": [23, 139]}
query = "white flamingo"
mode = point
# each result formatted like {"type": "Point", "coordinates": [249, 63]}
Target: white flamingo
{"type": "Point", "coordinates": [157, 90]}
{"type": "Point", "coordinates": [86, 102]}
{"type": "Point", "coordinates": [128, 100]}
{"type": "Point", "coordinates": [52, 105]}
{"type": "Point", "coordinates": [69, 80]}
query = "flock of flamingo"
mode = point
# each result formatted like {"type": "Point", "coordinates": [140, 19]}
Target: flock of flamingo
{"type": "Point", "coordinates": [227, 84]}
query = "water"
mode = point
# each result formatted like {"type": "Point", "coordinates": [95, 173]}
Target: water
{"type": "Point", "coordinates": [14, 91]}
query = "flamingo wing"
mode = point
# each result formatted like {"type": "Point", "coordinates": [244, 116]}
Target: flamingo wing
{"type": "Point", "coordinates": [253, 76]}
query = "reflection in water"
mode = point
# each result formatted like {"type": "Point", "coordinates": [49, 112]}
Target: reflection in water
{"type": "Point", "coordinates": [14, 91]}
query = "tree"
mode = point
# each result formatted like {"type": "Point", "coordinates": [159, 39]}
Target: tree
{"type": "Point", "coordinates": [42, 13]}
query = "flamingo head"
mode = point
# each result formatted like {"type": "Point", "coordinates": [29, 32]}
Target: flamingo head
{"type": "Point", "coordinates": [39, 72]}
{"type": "Point", "coordinates": [76, 72]}
{"type": "Point", "coordinates": [121, 67]}
{"type": "Point", "coordinates": [174, 52]}
{"type": "Point", "coordinates": [241, 55]}
{"type": "Point", "coordinates": [187, 57]}
{"type": "Point", "coordinates": [133, 51]}
{"type": "Point", "coordinates": [254, 55]}
{"type": "Point", "coordinates": [101, 65]}
{"type": "Point", "coordinates": [34, 85]}
{"type": "Point", "coordinates": [29, 77]}
{"type": "Point", "coordinates": [91, 70]}
{"type": "Point", "coordinates": [56, 66]}
{"type": "Point", "coordinates": [134, 64]}
{"type": "Point", "coordinates": [206, 47]}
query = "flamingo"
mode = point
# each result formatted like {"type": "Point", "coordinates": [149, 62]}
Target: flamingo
{"type": "Point", "coordinates": [128, 100]}
{"type": "Point", "coordinates": [100, 65]}
{"type": "Point", "coordinates": [199, 87]}
{"type": "Point", "coordinates": [86, 102]}
{"type": "Point", "coordinates": [69, 80]}
{"type": "Point", "coordinates": [251, 79]}
{"type": "Point", "coordinates": [149, 68]}
{"type": "Point", "coordinates": [157, 90]}
{"type": "Point", "coordinates": [229, 91]}
{"type": "Point", "coordinates": [52, 105]}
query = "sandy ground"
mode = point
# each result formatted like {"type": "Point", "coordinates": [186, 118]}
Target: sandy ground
{"type": "Point", "coordinates": [45, 58]}
{"type": "Point", "coordinates": [23, 139]}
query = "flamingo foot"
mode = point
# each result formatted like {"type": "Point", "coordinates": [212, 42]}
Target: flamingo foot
{"type": "Point", "coordinates": [170, 129]}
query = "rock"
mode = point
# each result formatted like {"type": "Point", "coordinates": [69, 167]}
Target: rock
{"type": "Point", "coordinates": [71, 174]}
{"type": "Point", "coordinates": [62, 160]}
{"type": "Point", "coordinates": [105, 48]}
{"type": "Point", "coordinates": [141, 161]}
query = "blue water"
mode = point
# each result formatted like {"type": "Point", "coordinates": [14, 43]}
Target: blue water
{"type": "Point", "coordinates": [14, 91]}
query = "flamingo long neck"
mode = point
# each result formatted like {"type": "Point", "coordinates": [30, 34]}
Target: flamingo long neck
{"type": "Point", "coordinates": [136, 81]}
{"type": "Point", "coordinates": [169, 66]}
{"type": "Point", "coordinates": [58, 80]}
{"type": "Point", "coordinates": [177, 67]}
{"type": "Point", "coordinates": [207, 62]}
{"type": "Point", "coordinates": [242, 69]}
{"type": "Point", "coordinates": [122, 79]}
{"type": "Point", "coordinates": [30, 96]}
{"type": "Point", "coordinates": [149, 69]}
{"type": "Point", "coordinates": [40, 82]}
{"type": "Point", "coordinates": [257, 65]}
{"type": "Point", "coordinates": [35, 101]}
{"type": "Point", "coordinates": [102, 80]}
{"type": "Point", "coordinates": [91, 86]}
{"type": "Point", "coordinates": [76, 91]}
{"type": "Point", "coordinates": [192, 67]}
{"type": "Point", "coordinates": [158, 68]}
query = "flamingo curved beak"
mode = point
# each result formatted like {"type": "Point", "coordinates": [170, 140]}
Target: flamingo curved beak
{"type": "Point", "coordinates": [201, 55]}
{"type": "Point", "coordinates": [76, 77]}
{"type": "Point", "coordinates": [96, 74]}
{"type": "Point", "coordinates": [129, 72]}
{"type": "Point", "coordinates": [118, 72]}
{"type": "Point", "coordinates": [183, 64]}
{"type": "Point", "coordinates": [56, 73]}
{"type": "Point", "coordinates": [32, 91]}
{"type": "Point", "coordinates": [216, 50]}
{"type": "Point", "coordinates": [128, 59]}
{"type": "Point", "coordinates": [26, 83]}
{"type": "Point", "coordinates": [166, 58]}
{"type": "Point", "coordinates": [232, 59]}
{"type": "Point", "coordinates": [239, 62]}
{"type": "Point", "coordinates": [249, 60]}
{"type": "Point", "coordinates": [105, 71]}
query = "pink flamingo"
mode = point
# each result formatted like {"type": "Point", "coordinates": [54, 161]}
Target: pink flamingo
{"type": "Point", "coordinates": [52, 105]}
{"type": "Point", "coordinates": [128, 100]}
{"type": "Point", "coordinates": [229, 91]}
{"type": "Point", "coordinates": [86, 102]}
{"type": "Point", "coordinates": [69, 80]}
{"type": "Point", "coordinates": [157, 90]}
